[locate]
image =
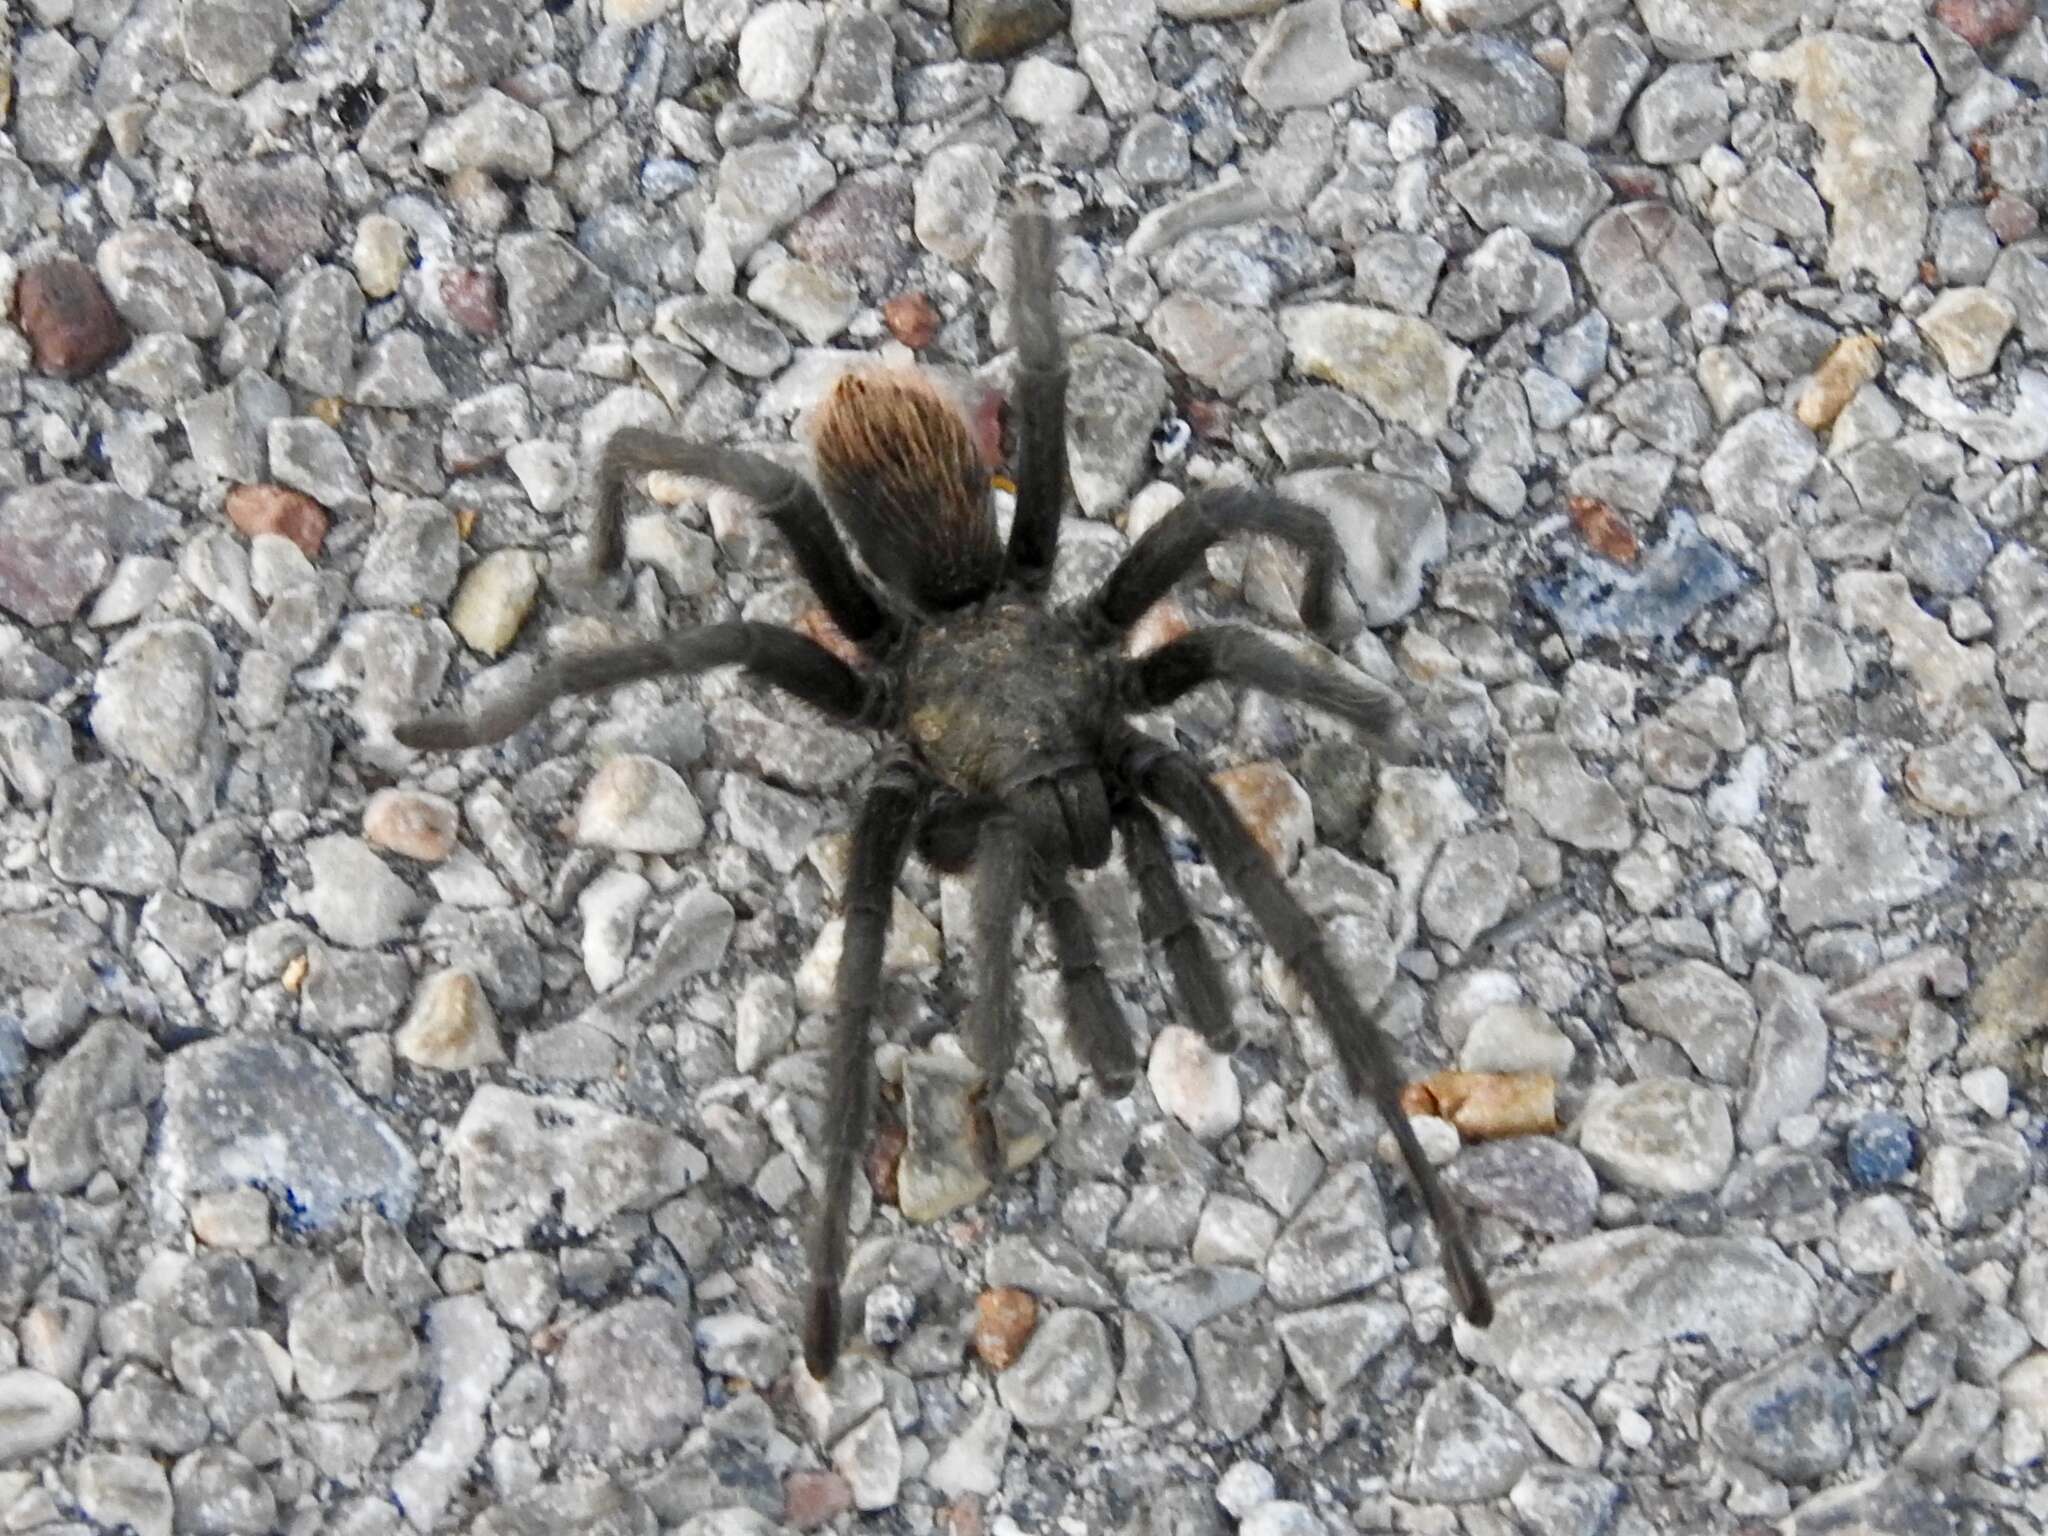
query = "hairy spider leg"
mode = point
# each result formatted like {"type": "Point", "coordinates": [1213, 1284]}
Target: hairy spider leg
{"type": "Point", "coordinates": [786, 499]}
{"type": "Point", "coordinates": [1231, 654]}
{"type": "Point", "coordinates": [881, 840]}
{"type": "Point", "coordinates": [789, 661]}
{"type": "Point", "coordinates": [1175, 781]}
{"type": "Point", "coordinates": [1039, 391]}
{"type": "Point", "coordinates": [1002, 870]}
{"type": "Point", "coordinates": [1169, 922]}
{"type": "Point", "coordinates": [1100, 1033]}
{"type": "Point", "coordinates": [1172, 548]}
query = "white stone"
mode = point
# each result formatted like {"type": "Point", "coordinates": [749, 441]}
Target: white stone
{"type": "Point", "coordinates": [1193, 1083]}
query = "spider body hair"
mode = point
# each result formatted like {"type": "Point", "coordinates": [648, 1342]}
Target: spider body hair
{"type": "Point", "coordinates": [1014, 761]}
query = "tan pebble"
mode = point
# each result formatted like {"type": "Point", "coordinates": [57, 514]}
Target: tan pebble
{"type": "Point", "coordinates": [494, 600]}
{"type": "Point", "coordinates": [412, 822]}
{"type": "Point", "coordinates": [294, 974]}
{"type": "Point", "coordinates": [1004, 1320]}
{"type": "Point", "coordinates": [451, 1026]}
{"type": "Point", "coordinates": [1852, 363]}
{"type": "Point", "coordinates": [379, 255]}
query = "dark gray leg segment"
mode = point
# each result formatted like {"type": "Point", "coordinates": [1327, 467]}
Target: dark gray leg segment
{"type": "Point", "coordinates": [786, 499]}
{"type": "Point", "coordinates": [789, 661]}
{"type": "Point", "coordinates": [1170, 923]}
{"type": "Point", "coordinates": [1039, 397]}
{"type": "Point", "coordinates": [881, 839]}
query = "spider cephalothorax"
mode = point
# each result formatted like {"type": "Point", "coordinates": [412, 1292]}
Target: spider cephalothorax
{"type": "Point", "coordinates": [1014, 757]}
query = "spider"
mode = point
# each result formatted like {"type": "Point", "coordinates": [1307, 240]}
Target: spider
{"type": "Point", "coordinates": [1014, 759]}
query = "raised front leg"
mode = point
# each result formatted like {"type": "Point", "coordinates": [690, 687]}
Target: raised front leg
{"type": "Point", "coordinates": [881, 839]}
{"type": "Point", "coordinates": [787, 500]}
{"type": "Point", "coordinates": [1039, 396]}
{"type": "Point", "coordinates": [774, 655]}
{"type": "Point", "coordinates": [1173, 546]}
{"type": "Point", "coordinates": [1232, 655]}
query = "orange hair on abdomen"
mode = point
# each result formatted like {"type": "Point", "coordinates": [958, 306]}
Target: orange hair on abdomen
{"type": "Point", "coordinates": [897, 461]}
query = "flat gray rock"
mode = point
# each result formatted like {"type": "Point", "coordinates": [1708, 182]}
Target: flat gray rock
{"type": "Point", "coordinates": [272, 1112]}
{"type": "Point", "coordinates": [1613, 1292]}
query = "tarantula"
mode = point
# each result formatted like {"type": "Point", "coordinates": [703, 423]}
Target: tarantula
{"type": "Point", "coordinates": [1014, 758]}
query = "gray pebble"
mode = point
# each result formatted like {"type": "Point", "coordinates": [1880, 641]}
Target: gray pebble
{"type": "Point", "coordinates": [102, 833]}
{"type": "Point", "coordinates": [1239, 1369]}
{"type": "Point", "coordinates": [1468, 1445]}
{"type": "Point", "coordinates": [629, 1379]}
{"type": "Point", "coordinates": [1065, 1376]}
{"type": "Point", "coordinates": [160, 281]}
{"type": "Point", "coordinates": [273, 1112]}
{"type": "Point", "coordinates": [1795, 1418]}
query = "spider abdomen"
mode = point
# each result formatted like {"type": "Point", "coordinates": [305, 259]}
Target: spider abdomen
{"type": "Point", "coordinates": [1003, 695]}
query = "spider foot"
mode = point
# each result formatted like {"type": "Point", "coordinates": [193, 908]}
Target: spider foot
{"type": "Point", "coordinates": [821, 1332]}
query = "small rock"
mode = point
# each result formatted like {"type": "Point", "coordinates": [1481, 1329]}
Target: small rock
{"type": "Point", "coordinates": [494, 600]}
{"type": "Point", "coordinates": [452, 1028]}
{"type": "Point", "coordinates": [1304, 59]}
{"type": "Point", "coordinates": [343, 1340]}
{"type": "Point", "coordinates": [219, 1492]}
{"type": "Point", "coordinates": [526, 1160]}
{"type": "Point", "coordinates": [1227, 349]}
{"type": "Point", "coordinates": [1468, 1446]}
{"type": "Point", "coordinates": [272, 1112]}
{"type": "Point", "coordinates": [160, 281]}
{"type": "Point", "coordinates": [267, 213]}
{"type": "Point", "coordinates": [1545, 779]}
{"type": "Point", "coordinates": [1967, 326]}
{"type": "Point", "coordinates": [1662, 1135]}
{"type": "Point", "coordinates": [1001, 29]}
{"type": "Point", "coordinates": [1239, 1369]}
{"type": "Point", "coordinates": [1795, 1418]}
{"type": "Point", "coordinates": [1538, 1184]}
{"type": "Point", "coordinates": [1965, 776]}
{"type": "Point", "coordinates": [1681, 115]}
{"type": "Point", "coordinates": [1976, 1180]}
{"type": "Point", "coordinates": [123, 1491]}
{"type": "Point", "coordinates": [411, 822]}
{"type": "Point", "coordinates": [1399, 365]}
{"type": "Point", "coordinates": [1116, 393]}
{"type": "Point", "coordinates": [1065, 1376]}
{"type": "Point", "coordinates": [1880, 1148]}
{"type": "Point", "coordinates": [355, 898]}
{"type": "Point", "coordinates": [1545, 188]}
{"type": "Point", "coordinates": [1193, 1083]}
{"type": "Point", "coordinates": [912, 320]}
{"type": "Point", "coordinates": [1004, 1319]}
{"type": "Point", "coordinates": [870, 1458]}
{"type": "Point", "coordinates": [70, 323]}
{"type": "Point", "coordinates": [1700, 1007]}
{"type": "Point", "coordinates": [638, 804]}
{"type": "Point", "coordinates": [38, 1413]}
{"type": "Point", "coordinates": [102, 834]}
{"type": "Point", "coordinates": [1335, 1245]}
{"type": "Point", "coordinates": [1850, 364]}
{"type": "Point", "coordinates": [260, 509]}
{"type": "Point", "coordinates": [956, 201]}
{"type": "Point", "coordinates": [629, 1381]}
{"type": "Point", "coordinates": [1711, 29]}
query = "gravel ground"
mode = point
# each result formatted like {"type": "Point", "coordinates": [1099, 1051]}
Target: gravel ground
{"type": "Point", "coordinates": [426, 1143]}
